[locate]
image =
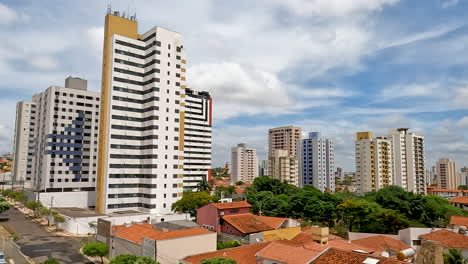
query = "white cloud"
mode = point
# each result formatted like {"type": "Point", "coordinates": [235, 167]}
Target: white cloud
{"type": "Point", "coordinates": [7, 15]}
{"type": "Point", "coordinates": [463, 123]}
{"type": "Point", "coordinates": [411, 89]}
{"type": "Point", "coordinates": [449, 3]}
{"type": "Point", "coordinates": [334, 7]}
{"type": "Point", "coordinates": [43, 62]}
{"type": "Point", "coordinates": [95, 38]}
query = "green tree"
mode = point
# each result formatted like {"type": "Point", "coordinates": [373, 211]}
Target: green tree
{"type": "Point", "coordinates": [218, 261]}
{"type": "Point", "coordinates": [229, 244]}
{"type": "Point", "coordinates": [384, 221]}
{"type": "Point", "coordinates": [229, 191]}
{"type": "Point", "coordinates": [4, 206]}
{"type": "Point", "coordinates": [239, 183]}
{"type": "Point", "coordinates": [192, 201]}
{"type": "Point", "coordinates": [34, 206]}
{"type": "Point", "coordinates": [353, 213]}
{"type": "Point", "coordinates": [57, 220]}
{"type": "Point", "coordinates": [132, 259]}
{"type": "Point", "coordinates": [462, 187]}
{"type": "Point", "coordinates": [46, 212]}
{"type": "Point", "coordinates": [96, 249]}
{"type": "Point", "coordinates": [20, 197]}
{"type": "Point", "coordinates": [203, 186]}
{"type": "Point", "coordinates": [51, 261]}
{"type": "Point", "coordinates": [454, 256]}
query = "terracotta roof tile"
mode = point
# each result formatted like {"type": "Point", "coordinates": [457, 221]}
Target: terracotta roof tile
{"type": "Point", "coordinates": [382, 243]}
{"type": "Point", "coordinates": [459, 220]}
{"type": "Point", "coordinates": [242, 255]}
{"type": "Point", "coordinates": [288, 253]}
{"type": "Point", "coordinates": [249, 223]}
{"type": "Point", "coordinates": [447, 238]}
{"type": "Point", "coordinates": [444, 190]}
{"type": "Point", "coordinates": [460, 200]}
{"type": "Point", "coordinates": [137, 232]}
{"type": "Point", "coordinates": [339, 256]}
{"type": "Point", "coordinates": [231, 205]}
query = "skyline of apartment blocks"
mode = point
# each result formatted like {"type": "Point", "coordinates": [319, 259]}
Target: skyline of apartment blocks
{"type": "Point", "coordinates": [244, 163]}
{"type": "Point", "coordinates": [141, 147]}
{"type": "Point", "coordinates": [197, 138]}
{"type": "Point", "coordinates": [463, 176]}
{"type": "Point", "coordinates": [408, 160]}
{"type": "Point", "coordinates": [63, 149]}
{"type": "Point", "coordinates": [373, 162]}
{"type": "Point", "coordinates": [284, 165]}
{"type": "Point", "coordinates": [23, 142]}
{"type": "Point", "coordinates": [447, 174]}
{"type": "Point", "coordinates": [263, 168]}
{"type": "Point", "coordinates": [317, 162]}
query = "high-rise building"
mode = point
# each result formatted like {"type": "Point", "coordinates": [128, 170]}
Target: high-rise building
{"type": "Point", "coordinates": [197, 138]}
{"type": "Point", "coordinates": [431, 176]}
{"type": "Point", "coordinates": [24, 141]}
{"type": "Point", "coordinates": [263, 168]}
{"type": "Point", "coordinates": [447, 174]}
{"type": "Point", "coordinates": [408, 160]}
{"type": "Point", "coordinates": [62, 141]}
{"type": "Point", "coordinates": [463, 176]}
{"type": "Point", "coordinates": [317, 162]}
{"type": "Point", "coordinates": [373, 162]}
{"type": "Point", "coordinates": [142, 133]}
{"type": "Point", "coordinates": [284, 138]}
{"type": "Point", "coordinates": [244, 163]}
{"type": "Point", "coordinates": [283, 167]}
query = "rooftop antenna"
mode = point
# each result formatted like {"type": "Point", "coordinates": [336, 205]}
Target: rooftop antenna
{"type": "Point", "coordinates": [109, 8]}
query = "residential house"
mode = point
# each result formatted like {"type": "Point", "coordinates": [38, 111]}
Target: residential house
{"type": "Point", "coordinates": [446, 193]}
{"type": "Point", "coordinates": [460, 202]}
{"type": "Point", "coordinates": [458, 221]}
{"type": "Point", "coordinates": [383, 243]}
{"type": "Point", "coordinates": [166, 247]}
{"type": "Point", "coordinates": [448, 239]}
{"type": "Point", "coordinates": [340, 256]}
{"type": "Point", "coordinates": [209, 215]}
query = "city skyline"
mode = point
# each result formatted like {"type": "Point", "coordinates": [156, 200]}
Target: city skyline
{"type": "Point", "coordinates": [346, 89]}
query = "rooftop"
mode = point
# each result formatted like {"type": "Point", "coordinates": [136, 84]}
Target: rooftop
{"type": "Point", "coordinates": [447, 238]}
{"type": "Point", "coordinates": [382, 243]}
{"type": "Point", "coordinates": [339, 256]}
{"type": "Point", "coordinates": [288, 253]}
{"type": "Point", "coordinates": [137, 232]}
{"type": "Point", "coordinates": [76, 212]}
{"type": "Point", "coordinates": [460, 200]}
{"type": "Point", "coordinates": [249, 223]}
{"type": "Point", "coordinates": [242, 255]}
{"type": "Point", "coordinates": [459, 220]}
{"type": "Point", "coordinates": [232, 205]}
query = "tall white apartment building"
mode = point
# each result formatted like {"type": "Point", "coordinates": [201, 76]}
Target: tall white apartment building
{"type": "Point", "coordinates": [373, 162]}
{"type": "Point", "coordinates": [244, 163]}
{"type": "Point", "coordinates": [447, 174]}
{"type": "Point", "coordinates": [408, 160]}
{"type": "Point", "coordinates": [197, 138]}
{"type": "Point", "coordinates": [283, 167]}
{"type": "Point", "coordinates": [62, 142]}
{"type": "Point", "coordinates": [317, 162]}
{"type": "Point", "coordinates": [23, 141]}
{"type": "Point", "coordinates": [141, 150]}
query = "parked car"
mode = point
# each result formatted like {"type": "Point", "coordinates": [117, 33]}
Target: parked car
{"type": "Point", "coordinates": [2, 258]}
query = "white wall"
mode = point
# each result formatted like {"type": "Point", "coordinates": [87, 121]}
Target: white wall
{"type": "Point", "coordinates": [78, 226]}
{"type": "Point", "coordinates": [80, 199]}
{"type": "Point", "coordinates": [172, 250]}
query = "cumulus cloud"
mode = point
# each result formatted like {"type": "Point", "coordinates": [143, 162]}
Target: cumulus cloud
{"type": "Point", "coordinates": [7, 15]}
{"type": "Point", "coordinates": [43, 62]}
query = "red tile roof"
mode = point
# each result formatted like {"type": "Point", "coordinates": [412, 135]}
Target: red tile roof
{"type": "Point", "coordinates": [232, 205]}
{"type": "Point", "coordinates": [288, 253]}
{"type": "Point", "coordinates": [339, 256]}
{"type": "Point", "coordinates": [447, 238]}
{"type": "Point", "coordinates": [459, 220]}
{"type": "Point", "coordinates": [460, 200]}
{"type": "Point", "coordinates": [382, 243]}
{"type": "Point", "coordinates": [242, 255]}
{"type": "Point", "coordinates": [249, 223]}
{"type": "Point", "coordinates": [137, 232]}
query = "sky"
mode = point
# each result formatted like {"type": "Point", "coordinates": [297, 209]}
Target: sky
{"type": "Point", "coordinates": [332, 66]}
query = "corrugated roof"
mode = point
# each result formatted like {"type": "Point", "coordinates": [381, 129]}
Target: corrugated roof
{"type": "Point", "coordinates": [249, 223]}
{"type": "Point", "coordinates": [232, 205]}
{"type": "Point", "coordinates": [447, 238]}
{"type": "Point", "coordinates": [382, 243]}
{"type": "Point", "coordinates": [242, 255]}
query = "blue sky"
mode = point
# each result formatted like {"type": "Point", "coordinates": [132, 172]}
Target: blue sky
{"type": "Point", "coordinates": [334, 66]}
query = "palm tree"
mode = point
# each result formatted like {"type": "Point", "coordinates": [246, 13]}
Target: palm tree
{"type": "Point", "coordinates": [454, 256]}
{"type": "Point", "coordinates": [203, 186]}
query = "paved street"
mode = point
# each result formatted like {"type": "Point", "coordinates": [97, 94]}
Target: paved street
{"type": "Point", "coordinates": [35, 241]}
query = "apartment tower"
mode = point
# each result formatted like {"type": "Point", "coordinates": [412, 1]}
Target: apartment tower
{"type": "Point", "coordinates": [142, 133]}
{"type": "Point", "coordinates": [244, 163]}
{"type": "Point", "coordinates": [447, 174]}
{"type": "Point", "coordinates": [373, 162]}
{"type": "Point", "coordinates": [197, 138]}
{"type": "Point", "coordinates": [287, 139]}
{"type": "Point", "coordinates": [23, 141]}
{"type": "Point", "coordinates": [317, 162]}
{"type": "Point", "coordinates": [408, 160]}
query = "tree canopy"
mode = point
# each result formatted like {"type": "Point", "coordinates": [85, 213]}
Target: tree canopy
{"type": "Point", "coordinates": [96, 249]}
{"type": "Point", "coordinates": [132, 259]}
{"type": "Point", "coordinates": [218, 261]}
{"type": "Point", "coordinates": [191, 201]}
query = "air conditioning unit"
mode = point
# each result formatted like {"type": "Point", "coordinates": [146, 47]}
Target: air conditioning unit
{"type": "Point", "coordinates": [221, 213]}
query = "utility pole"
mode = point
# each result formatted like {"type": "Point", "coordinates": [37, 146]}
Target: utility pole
{"type": "Point", "coordinates": [51, 201]}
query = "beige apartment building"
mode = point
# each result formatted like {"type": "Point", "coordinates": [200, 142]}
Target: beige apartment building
{"type": "Point", "coordinates": [283, 167]}
{"type": "Point", "coordinates": [446, 174]}
{"type": "Point", "coordinates": [283, 163]}
{"type": "Point", "coordinates": [244, 163]}
{"type": "Point", "coordinates": [373, 162]}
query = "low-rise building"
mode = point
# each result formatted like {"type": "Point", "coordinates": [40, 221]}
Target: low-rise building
{"type": "Point", "coordinates": [458, 221]}
{"type": "Point", "coordinates": [383, 243]}
{"type": "Point", "coordinates": [448, 239]}
{"type": "Point", "coordinates": [446, 193]}
{"type": "Point", "coordinates": [339, 256]}
{"type": "Point", "coordinates": [209, 215]}
{"type": "Point", "coordinates": [460, 202]}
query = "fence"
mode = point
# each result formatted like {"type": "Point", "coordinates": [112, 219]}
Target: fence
{"type": "Point", "coordinates": [13, 251]}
